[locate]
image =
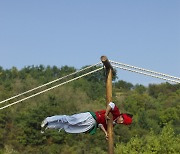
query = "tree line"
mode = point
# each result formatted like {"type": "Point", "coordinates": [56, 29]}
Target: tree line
{"type": "Point", "coordinates": [155, 109]}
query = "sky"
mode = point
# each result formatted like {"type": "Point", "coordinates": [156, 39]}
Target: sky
{"type": "Point", "coordinates": [142, 33]}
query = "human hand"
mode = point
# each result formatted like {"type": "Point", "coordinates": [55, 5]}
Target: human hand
{"type": "Point", "coordinates": [106, 118]}
{"type": "Point", "coordinates": [107, 136]}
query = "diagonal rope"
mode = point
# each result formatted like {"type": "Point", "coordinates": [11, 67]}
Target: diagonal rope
{"type": "Point", "coordinates": [76, 78]}
{"type": "Point", "coordinates": [146, 70]}
{"type": "Point", "coordinates": [47, 83]}
{"type": "Point", "coordinates": [122, 66]}
{"type": "Point", "coordinates": [148, 74]}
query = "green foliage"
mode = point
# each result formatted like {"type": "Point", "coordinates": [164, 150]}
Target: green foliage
{"type": "Point", "coordinates": [123, 86]}
{"type": "Point", "coordinates": [143, 120]}
{"type": "Point", "coordinates": [165, 142]}
{"type": "Point", "coordinates": [153, 108]}
{"type": "Point", "coordinates": [140, 89]}
{"type": "Point", "coordinates": [170, 114]}
{"type": "Point", "coordinates": [164, 88]}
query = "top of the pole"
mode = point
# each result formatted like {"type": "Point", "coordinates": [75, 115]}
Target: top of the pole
{"type": "Point", "coordinates": [106, 62]}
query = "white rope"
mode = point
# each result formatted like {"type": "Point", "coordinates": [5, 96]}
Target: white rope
{"type": "Point", "coordinates": [146, 74]}
{"type": "Point", "coordinates": [146, 70]}
{"type": "Point", "coordinates": [136, 70]}
{"type": "Point", "coordinates": [47, 83]}
{"type": "Point", "coordinates": [76, 78]}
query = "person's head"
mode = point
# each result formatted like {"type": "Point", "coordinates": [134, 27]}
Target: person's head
{"type": "Point", "coordinates": [125, 119]}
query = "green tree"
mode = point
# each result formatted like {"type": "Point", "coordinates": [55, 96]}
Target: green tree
{"type": "Point", "coordinates": [165, 142]}
{"type": "Point", "coordinates": [123, 85]}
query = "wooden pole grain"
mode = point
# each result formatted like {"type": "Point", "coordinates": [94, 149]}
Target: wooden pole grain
{"type": "Point", "coordinates": [109, 74]}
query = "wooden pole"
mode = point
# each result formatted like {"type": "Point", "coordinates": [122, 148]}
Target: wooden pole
{"type": "Point", "coordinates": [109, 70]}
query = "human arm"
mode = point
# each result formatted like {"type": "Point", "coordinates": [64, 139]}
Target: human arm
{"type": "Point", "coordinates": [110, 106]}
{"type": "Point", "coordinates": [104, 130]}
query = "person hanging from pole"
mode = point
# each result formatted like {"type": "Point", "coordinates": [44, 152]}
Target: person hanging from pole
{"type": "Point", "coordinates": [87, 122]}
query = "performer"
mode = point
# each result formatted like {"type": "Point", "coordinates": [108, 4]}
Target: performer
{"type": "Point", "coordinates": [87, 121]}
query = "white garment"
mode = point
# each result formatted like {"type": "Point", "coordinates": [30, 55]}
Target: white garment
{"type": "Point", "coordinates": [77, 123]}
{"type": "Point", "coordinates": [112, 105]}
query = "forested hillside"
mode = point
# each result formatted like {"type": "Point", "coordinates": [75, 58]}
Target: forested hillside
{"type": "Point", "coordinates": [156, 110]}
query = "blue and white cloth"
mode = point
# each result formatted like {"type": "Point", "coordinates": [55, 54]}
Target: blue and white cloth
{"type": "Point", "coordinates": [77, 123]}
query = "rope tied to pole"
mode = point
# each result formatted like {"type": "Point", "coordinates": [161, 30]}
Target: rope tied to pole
{"type": "Point", "coordinates": [115, 64]}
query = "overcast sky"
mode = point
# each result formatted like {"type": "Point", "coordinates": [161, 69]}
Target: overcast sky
{"type": "Point", "coordinates": [143, 33]}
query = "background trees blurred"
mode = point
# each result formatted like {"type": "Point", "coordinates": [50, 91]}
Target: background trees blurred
{"type": "Point", "coordinates": [156, 110]}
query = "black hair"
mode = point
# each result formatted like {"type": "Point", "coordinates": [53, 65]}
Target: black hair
{"type": "Point", "coordinates": [130, 115]}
